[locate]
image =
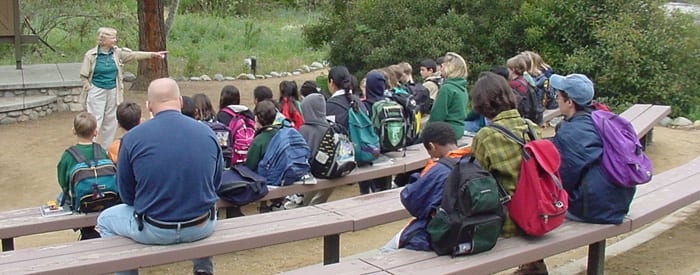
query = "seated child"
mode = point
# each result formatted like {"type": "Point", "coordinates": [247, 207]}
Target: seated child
{"type": "Point", "coordinates": [203, 110]}
{"type": "Point", "coordinates": [128, 116]}
{"type": "Point", "coordinates": [265, 113]}
{"type": "Point", "coordinates": [424, 191]}
{"type": "Point", "coordinates": [85, 129]}
{"type": "Point", "coordinates": [314, 128]}
{"type": "Point", "coordinates": [187, 106]}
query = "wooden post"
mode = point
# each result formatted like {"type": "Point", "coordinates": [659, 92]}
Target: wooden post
{"type": "Point", "coordinates": [18, 36]}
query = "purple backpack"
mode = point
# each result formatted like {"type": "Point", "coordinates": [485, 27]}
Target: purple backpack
{"type": "Point", "coordinates": [624, 161]}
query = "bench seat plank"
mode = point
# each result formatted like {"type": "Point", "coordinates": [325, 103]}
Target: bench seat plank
{"type": "Point", "coordinates": [346, 268]}
{"type": "Point", "coordinates": [646, 121]}
{"type": "Point", "coordinates": [664, 201]}
{"type": "Point", "coordinates": [382, 208]}
{"type": "Point", "coordinates": [117, 253]}
{"type": "Point", "coordinates": [633, 112]}
{"type": "Point", "coordinates": [511, 252]}
{"type": "Point", "coordinates": [28, 221]}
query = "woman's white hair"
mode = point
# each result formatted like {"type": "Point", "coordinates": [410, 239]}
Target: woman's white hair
{"type": "Point", "coordinates": [104, 33]}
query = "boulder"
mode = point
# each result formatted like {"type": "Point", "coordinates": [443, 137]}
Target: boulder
{"type": "Point", "coordinates": [317, 64]}
{"type": "Point", "coordinates": [205, 77]}
{"type": "Point", "coordinates": [306, 68]}
{"type": "Point", "coordinates": [128, 77]}
{"type": "Point", "coordinates": [219, 77]}
{"type": "Point", "coordinates": [229, 78]}
{"type": "Point", "coordinates": [275, 74]}
{"type": "Point", "coordinates": [666, 121]}
{"type": "Point", "coordinates": [194, 78]}
{"type": "Point", "coordinates": [681, 122]}
{"type": "Point", "coordinates": [250, 76]}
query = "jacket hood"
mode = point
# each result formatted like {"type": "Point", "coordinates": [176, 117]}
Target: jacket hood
{"type": "Point", "coordinates": [376, 84]}
{"type": "Point", "coordinates": [313, 108]}
{"type": "Point", "coordinates": [238, 108]}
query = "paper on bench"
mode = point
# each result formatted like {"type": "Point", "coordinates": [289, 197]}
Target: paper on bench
{"type": "Point", "coordinates": [60, 211]}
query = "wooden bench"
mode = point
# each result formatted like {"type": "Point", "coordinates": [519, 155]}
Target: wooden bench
{"type": "Point", "coordinates": [28, 221]}
{"type": "Point", "coordinates": [666, 193]}
{"type": "Point", "coordinates": [642, 117]}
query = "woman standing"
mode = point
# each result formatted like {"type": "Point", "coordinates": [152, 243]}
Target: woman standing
{"type": "Point", "coordinates": [101, 75]}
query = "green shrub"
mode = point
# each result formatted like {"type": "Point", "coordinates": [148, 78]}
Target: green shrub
{"type": "Point", "coordinates": [633, 50]}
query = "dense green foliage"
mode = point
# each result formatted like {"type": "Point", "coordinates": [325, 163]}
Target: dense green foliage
{"type": "Point", "coordinates": [198, 43]}
{"type": "Point", "coordinates": [633, 50]}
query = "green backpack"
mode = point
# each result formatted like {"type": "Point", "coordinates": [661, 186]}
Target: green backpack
{"type": "Point", "coordinates": [390, 124]}
{"type": "Point", "coordinates": [471, 213]}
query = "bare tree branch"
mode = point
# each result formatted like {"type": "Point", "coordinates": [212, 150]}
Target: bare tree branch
{"type": "Point", "coordinates": [172, 11]}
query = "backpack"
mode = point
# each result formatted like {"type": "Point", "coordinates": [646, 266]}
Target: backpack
{"type": "Point", "coordinates": [412, 115]}
{"type": "Point", "coordinates": [471, 214]}
{"type": "Point", "coordinates": [539, 181]}
{"type": "Point", "coordinates": [92, 186]}
{"type": "Point", "coordinates": [362, 134]}
{"type": "Point", "coordinates": [390, 124]}
{"type": "Point", "coordinates": [286, 159]}
{"type": "Point", "coordinates": [623, 161]}
{"type": "Point", "coordinates": [240, 185]}
{"type": "Point", "coordinates": [529, 104]}
{"type": "Point", "coordinates": [546, 95]}
{"type": "Point", "coordinates": [242, 126]}
{"type": "Point", "coordinates": [297, 119]}
{"type": "Point", "coordinates": [223, 137]}
{"type": "Point", "coordinates": [421, 95]}
{"type": "Point", "coordinates": [336, 153]}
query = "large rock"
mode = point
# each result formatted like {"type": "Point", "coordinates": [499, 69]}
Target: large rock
{"type": "Point", "coordinates": [275, 74]}
{"type": "Point", "coordinates": [259, 76]}
{"type": "Point", "coordinates": [128, 77]}
{"type": "Point", "coordinates": [75, 107]}
{"type": "Point", "coordinates": [681, 122]}
{"type": "Point", "coordinates": [316, 64]}
{"type": "Point", "coordinates": [219, 77]}
{"type": "Point", "coordinates": [296, 73]}
{"type": "Point", "coordinates": [250, 76]}
{"type": "Point", "coordinates": [229, 78]}
{"type": "Point", "coordinates": [242, 76]}
{"type": "Point", "coordinates": [194, 78]}
{"type": "Point", "coordinates": [306, 68]}
{"type": "Point", "coordinates": [205, 77]}
{"type": "Point", "coordinates": [666, 121]}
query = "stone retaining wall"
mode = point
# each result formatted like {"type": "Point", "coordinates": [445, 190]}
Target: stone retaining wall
{"type": "Point", "coordinates": [67, 99]}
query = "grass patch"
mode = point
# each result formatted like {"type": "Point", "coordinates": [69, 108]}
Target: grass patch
{"type": "Point", "coordinates": [197, 43]}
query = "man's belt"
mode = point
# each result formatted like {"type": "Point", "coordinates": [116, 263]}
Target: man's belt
{"type": "Point", "coordinates": [175, 225]}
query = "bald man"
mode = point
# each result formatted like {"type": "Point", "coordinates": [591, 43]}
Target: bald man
{"type": "Point", "coordinates": [168, 171]}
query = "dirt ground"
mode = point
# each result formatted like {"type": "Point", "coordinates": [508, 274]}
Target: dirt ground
{"type": "Point", "coordinates": [30, 151]}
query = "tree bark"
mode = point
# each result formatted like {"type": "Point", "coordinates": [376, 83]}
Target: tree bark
{"type": "Point", "coordinates": [152, 36]}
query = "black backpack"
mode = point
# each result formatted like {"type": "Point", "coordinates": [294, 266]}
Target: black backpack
{"type": "Point", "coordinates": [472, 211]}
{"type": "Point", "coordinates": [336, 153]}
{"type": "Point", "coordinates": [529, 104]}
{"type": "Point", "coordinates": [421, 95]}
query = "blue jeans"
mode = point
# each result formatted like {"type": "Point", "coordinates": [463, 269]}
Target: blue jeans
{"type": "Point", "coordinates": [119, 220]}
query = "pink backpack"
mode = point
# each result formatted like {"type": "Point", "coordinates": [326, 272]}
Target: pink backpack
{"type": "Point", "coordinates": [242, 127]}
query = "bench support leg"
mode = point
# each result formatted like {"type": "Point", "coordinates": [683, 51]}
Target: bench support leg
{"type": "Point", "coordinates": [596, 258]}
{"type": "Point", "coordinates": [331, 249]}
{"type": "Point", "coordinates": [233, 212]}
{"type": "Point", "coordinates": [8, 244]}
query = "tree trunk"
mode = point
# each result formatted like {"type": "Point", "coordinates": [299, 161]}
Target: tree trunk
{"type": "Point", "coordinates": [172, 11]}
{"type": "Point", "coordinates": [152, 36]}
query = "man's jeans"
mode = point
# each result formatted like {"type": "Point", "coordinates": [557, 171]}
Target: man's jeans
{"type": "Point", "coordinates": [119, 220]}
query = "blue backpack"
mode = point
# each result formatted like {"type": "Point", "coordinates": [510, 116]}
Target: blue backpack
{"type": "Point", "coordinates": [241, 186]}
{"type": "Point", "coordinates": [286, 159]}
{"type": "Point", "coordinates": [92, 186]}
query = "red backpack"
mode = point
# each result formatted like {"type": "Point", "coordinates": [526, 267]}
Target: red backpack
{"type": "Point", "coordinates": [242, 125]}
{"type": "Point", "coordinates": [539, 202]}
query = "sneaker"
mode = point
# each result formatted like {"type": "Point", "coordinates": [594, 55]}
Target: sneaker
{"type": "Point", "coordinates": [533, 268]}
{"type": "Point", "coordinates": [277, 206]}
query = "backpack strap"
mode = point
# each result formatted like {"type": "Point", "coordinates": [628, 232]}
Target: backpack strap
{"type": "Point", "coordinates": [73, 151]}
{"type": "Point", "coordinates": [97, 152]}
{"type": "Point", "coordinates": [507, 133]}
{"type": "Point", "coordinates": [449, 162]}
